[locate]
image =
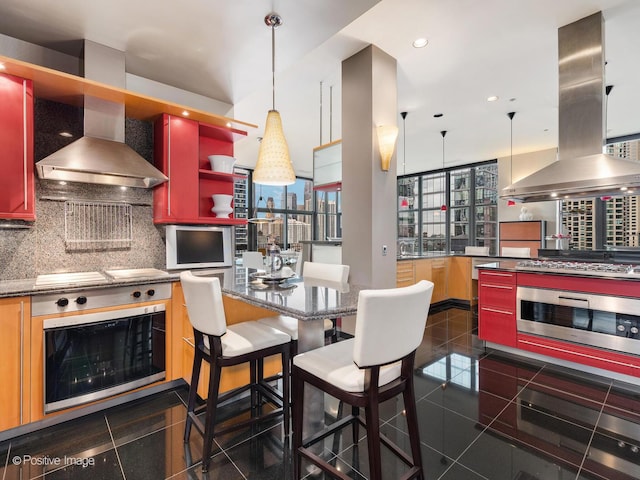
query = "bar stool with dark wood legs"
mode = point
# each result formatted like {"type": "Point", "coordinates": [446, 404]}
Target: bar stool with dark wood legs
{"type": "Point", "coordinates": [223, 346]}
{"type": "Point", "coordinates": [374, 366]}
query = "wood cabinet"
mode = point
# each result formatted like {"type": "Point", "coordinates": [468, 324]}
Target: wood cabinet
{"type": "Point", "coordinates": [405, 273]}
{"type": "Point", "coordinates": [17, 190]}
{"type": "Point", "coordinates": [14, 361]}
{"type": "Point", "coordinates": [524, 234]}
{"type": "Point", "coordinates": [459, 283]}
{"type": "Point", "coordinates": [409, 272]}
{"type": "Point", "coordinates": [497, 307]}
{"type": "Point", "coordinates": [437, 268]}
{"type": "Point", "coordinates": [451, 276]}
{"type": "Point", "coordinates": [182, 148]}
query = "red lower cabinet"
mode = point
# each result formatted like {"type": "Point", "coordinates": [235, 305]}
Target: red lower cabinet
{"type": "Point", "coordinates": [593, 357]}
{"type": "Point", "coordinates": [497, 307]}
{"type": "Point", "coordinates": [17, 191]}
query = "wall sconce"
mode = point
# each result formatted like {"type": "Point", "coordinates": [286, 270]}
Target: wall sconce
{"type": "Point", "coordinates": [387, 135]}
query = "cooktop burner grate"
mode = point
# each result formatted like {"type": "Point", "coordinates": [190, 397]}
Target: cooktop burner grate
{"type": "Point", "coordinates": [587, 268]}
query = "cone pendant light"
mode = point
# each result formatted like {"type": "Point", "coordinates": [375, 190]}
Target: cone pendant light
{"type": "Point", "coordinates": [274, 164]}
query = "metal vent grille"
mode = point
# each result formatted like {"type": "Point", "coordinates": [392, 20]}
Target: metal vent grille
{"type": "Point", "coordinates": [97, 225]}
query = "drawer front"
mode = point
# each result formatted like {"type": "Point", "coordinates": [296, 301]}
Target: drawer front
{"type": "Point", "coordinates": [497, 326]}
{"type": "Point", "coordinates": [501, 277]}
{"type": "Point", "coordinates": [496, 295]}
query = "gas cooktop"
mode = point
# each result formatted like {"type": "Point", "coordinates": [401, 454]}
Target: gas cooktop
{"type": "Point", "coordinates": [582, 268]}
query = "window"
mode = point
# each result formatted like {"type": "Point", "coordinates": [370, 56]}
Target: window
{"type": "Point", "coordinates": [290, 209]}
{"type": "Point", "coordinates": [328, 214]}
{"type": "Point", "coordinates": [469, 217]}
{"type": "Point", "coordinates": [596, 223]}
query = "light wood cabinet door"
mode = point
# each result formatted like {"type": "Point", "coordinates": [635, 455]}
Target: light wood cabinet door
{"type": "Point", "coordinates": [459, 279]}
{"type": "Point", "coordinates": [14, 361]}
{"type": "Point", "coordinates": [439, 279]}
{"type": "Point", "coordinates": [434, 270]}
{"type": "Point", "coordinates": [405, 273]}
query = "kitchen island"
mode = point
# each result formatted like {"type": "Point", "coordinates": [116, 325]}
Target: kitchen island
{"type": "Point", "coordinates": [582, 314]}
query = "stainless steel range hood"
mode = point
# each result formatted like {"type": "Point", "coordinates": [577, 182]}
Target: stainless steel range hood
{"type": "Point", "coordinates": [101, 156]}
{"type": "Point", "coordinates": [582, 170]}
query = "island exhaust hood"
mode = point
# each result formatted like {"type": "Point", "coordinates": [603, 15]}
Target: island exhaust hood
{"type": "Point", "coordinates": [581, 170]}
{"type": "Point", "coordinates": [101, 156]}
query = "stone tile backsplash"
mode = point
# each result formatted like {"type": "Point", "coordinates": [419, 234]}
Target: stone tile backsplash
{"type": "Point", "coordinates": [40, 248]}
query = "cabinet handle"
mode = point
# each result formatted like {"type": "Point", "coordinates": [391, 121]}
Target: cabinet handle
{"type": "Point", "coordinates": [504, 287]}
{"type": "Point", "coordinates": [495, 310]}
{"type": "Point", "coordinates": [24, 143]}
{"type": "Point", "coordinates": [169, 164]}
{"type": "Point", "coordinates": [496, 274]}
{"type": "Point", "coordinates": [21, 359]}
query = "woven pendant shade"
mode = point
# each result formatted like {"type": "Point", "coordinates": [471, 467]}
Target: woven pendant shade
{"type": "Point", "coordinates": [274, 165]}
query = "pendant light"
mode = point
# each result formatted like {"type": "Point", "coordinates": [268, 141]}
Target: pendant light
{"type": "Point", "coordinates": [404, 203]}
{"type": "Point", "coordinates": [443, 208]}
{"type": "Point", "coordinates": [511, 203]}
{"type": "Point", "coordinates": [274, 164]}
{"type": "Point", "coordinates": [260, 220]}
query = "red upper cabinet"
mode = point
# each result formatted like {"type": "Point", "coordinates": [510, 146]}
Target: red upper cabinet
{"type": "Point", "coordinates": [17, 192]}
{"type": "Point", "coordinates": [182, 148]}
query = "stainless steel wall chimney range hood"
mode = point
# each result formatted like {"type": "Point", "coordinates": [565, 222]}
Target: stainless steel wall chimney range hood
{"type": "Point", "coordinates": [582, 170]}
{"type": "Point", "coordinates": [101, 156]}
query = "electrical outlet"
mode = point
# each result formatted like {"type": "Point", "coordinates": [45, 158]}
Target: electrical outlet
{"type": "Point", "coordinates": [384, 250]}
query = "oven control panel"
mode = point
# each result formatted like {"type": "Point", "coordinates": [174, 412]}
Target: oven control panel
{"type": "Point", "coordinates": [98, 298]}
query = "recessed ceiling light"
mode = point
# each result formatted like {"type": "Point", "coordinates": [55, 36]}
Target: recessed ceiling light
{"type": "Point", "coordinates": [185, 113]}
{"type": "Point", "coordinates": [228, 124]}
{"type": "Point", "coordinates": [438, 115]}
{"type": "Point", "coordinates": [420, 42]}
{"type": "Point", "coordinates": [2, 67]}
{"type": "Point", "coordinates": [492, 98]}
{"type": "Point", "coordinates": [66, 134]}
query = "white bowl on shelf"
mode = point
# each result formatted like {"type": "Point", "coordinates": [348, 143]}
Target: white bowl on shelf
{"type": "Point", "coordinates": [222, 205]}
{"type": "Point", "coordinates": [222, 163]}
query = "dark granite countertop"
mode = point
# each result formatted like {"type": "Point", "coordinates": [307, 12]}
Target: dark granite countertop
{"type": "Point", "coordinates": [27, 286]}
{"type": "Point", "coordinates": [293, 297]}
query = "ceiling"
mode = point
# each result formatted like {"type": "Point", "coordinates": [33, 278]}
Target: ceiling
{"type": "Point", "coordinates": [222, 49]}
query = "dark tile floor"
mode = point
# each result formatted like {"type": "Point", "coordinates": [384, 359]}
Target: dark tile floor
{"type": "Point", "coordinates": [483, 415]}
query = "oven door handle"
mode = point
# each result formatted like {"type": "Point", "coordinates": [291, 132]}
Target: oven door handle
{"type": "Point", "coordinates": [573, 302]}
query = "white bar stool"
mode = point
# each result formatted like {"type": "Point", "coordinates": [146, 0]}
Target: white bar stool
{"type": "Point", "coordinates": [374, 366]}
{"type": "Point", "coordinates": [224, 346]}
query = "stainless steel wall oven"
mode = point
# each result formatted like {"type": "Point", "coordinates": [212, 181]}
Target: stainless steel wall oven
{"type": "Point", "coordinates": [93, 355]}
{"type": "Point", "coordinates": [599, 320]}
